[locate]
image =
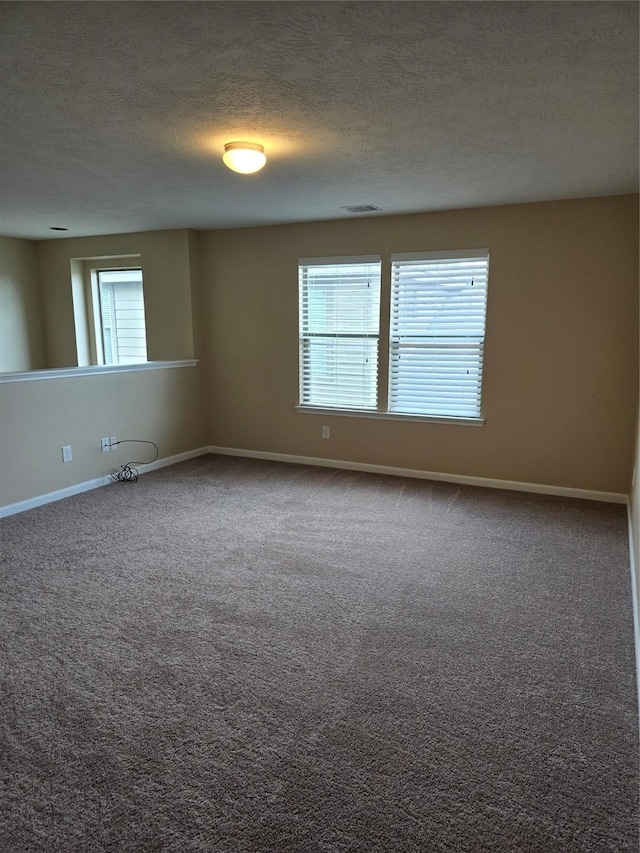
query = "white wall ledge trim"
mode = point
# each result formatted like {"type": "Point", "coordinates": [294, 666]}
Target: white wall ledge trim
{"type": "Point", "coordinates": [389, 416]}
{"type": "Point", "coordinates": [464, 479]}
{"type": "Point", "coordinates": [92, 370]}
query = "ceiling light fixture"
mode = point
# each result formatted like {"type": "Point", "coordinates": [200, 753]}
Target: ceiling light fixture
{"type": "Point", "coordinates": [244, 157]}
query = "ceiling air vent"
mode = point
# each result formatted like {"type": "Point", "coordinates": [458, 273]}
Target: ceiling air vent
{"type": "Point", "coordinates": [361, 208]}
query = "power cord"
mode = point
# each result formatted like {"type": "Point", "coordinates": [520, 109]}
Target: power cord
{"type": "Point", "coordinates": [127, 473]}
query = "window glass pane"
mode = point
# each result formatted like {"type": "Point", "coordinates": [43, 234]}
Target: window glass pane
{"type": "Point", "coordinates": [429, 379]}
{"type": "Point", "coordinates": [437, 335]}
{"type": "Point", "coordinates": [340, 372]}
{"type": "Point", "coordinates": [122, 316]}
{"type": "Point", "coordinates": [339, 327]}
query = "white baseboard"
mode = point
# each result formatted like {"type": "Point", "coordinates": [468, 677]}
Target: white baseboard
{"type": "Point", "coordinates": [58, 495]}
{"type": "Point", "coordinates": [511, 485]}
{"type": "Point", "coordinates": [635, 593]}
{"type": "Point", "coordinates": [87, 485]}
{"type": "Point", "coordinates": [171, 460]}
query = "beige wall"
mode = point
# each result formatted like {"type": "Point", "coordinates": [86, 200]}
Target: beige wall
{"type": "Point", "coordinates": [561, 368]}
{"type": "Point", "coordinates": [40, 417]}
{"type": "Point", "coordinates": [21, 329]}
{"type": "Point", "coordinates": [166, 270]}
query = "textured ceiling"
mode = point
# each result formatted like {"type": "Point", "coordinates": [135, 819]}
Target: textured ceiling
{"type": "Point", "coordinates": [114, 115]}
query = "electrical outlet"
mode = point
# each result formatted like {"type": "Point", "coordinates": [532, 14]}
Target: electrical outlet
{"type": "Point", "coordinates": [326, 432]}
{"type": "Point", "coordinates": [106, 445]}
{"type": "Point", "coordinates": [66, 453]}
{"type": "Point", "coordinates": [113, 440]}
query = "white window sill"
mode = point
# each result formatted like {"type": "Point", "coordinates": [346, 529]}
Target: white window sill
{"type": "Point", "coordinates": [92, 370]}
{"type": "Point", "coordinates": [390, 416]}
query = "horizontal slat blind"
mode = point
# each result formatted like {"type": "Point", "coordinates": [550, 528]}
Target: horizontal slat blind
{"type": "Point", "coordinates": [438, 307]}
{"type": "Point", "coordinates": [339, 304]}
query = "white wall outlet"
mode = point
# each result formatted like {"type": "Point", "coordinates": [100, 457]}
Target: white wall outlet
{"type": "Point", "coordinates": [326, 432]}
{"type": "Point", "coordinates": [106, 445]}
{"type": "Point", "coordinates": [113, 440]}
{"type": "Point", "coordinates": [66, 453]}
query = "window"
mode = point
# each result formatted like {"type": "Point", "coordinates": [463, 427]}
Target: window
{"type": "Point", "coordinates": [339, 332]}
{"type": "Point", "coordinates": [436, 327]}
{"type": "Point", "coordinates": [437, 333]}
{"type": "Point", "coordinates": [120, 327]}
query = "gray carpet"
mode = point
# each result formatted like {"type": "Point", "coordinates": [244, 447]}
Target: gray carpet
{"type": "Point", "coordinates": [237, 655]}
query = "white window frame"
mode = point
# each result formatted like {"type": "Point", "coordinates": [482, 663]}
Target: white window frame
{"type": "Point", "coordinates": [436, 348]}
{"type": "Point", "coordinates": [95, 307]}
{"type": "Point", "coordinates": [384, 375]}
{"type": "Point", "coordinates": [364, 331]}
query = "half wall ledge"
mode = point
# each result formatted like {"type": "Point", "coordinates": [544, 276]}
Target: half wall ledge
{"type": "Point", "coordinates": [93, 370]}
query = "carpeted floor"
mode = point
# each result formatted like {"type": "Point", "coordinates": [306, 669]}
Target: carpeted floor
{"type": "Point", "coordinates": [235, 655]}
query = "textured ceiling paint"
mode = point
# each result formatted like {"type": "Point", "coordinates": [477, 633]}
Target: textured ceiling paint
{"type": "Point", "coordinates": [114, 115]}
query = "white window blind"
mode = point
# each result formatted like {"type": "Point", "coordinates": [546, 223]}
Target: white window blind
{"type": "Point", "coordinates": [339, 304]}
{"type": "Point", "coordinates": [122, 316]}
{"type": "Point", "coordinates": [438, 307]}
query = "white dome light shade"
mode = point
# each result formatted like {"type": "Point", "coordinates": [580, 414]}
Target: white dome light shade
{"type": "Point", "coordinates": [244, 157]}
